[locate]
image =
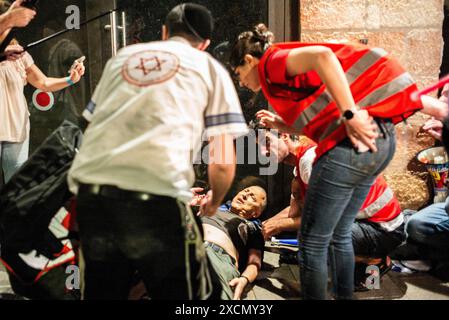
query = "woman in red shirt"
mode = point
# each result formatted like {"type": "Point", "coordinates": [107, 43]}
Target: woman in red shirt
{"type": "Point", "coordinates": [347, 98]}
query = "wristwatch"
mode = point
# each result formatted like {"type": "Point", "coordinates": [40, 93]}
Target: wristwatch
{"type": "Point", "coordinates": [348, 115]}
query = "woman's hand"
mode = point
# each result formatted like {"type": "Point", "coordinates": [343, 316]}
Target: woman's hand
{"type": "Point", "coordinates": [434, 128]}
{"type": "Point", "coordinates": [270, 120]}
{"type": "Point", "coordinates": [77, 72]}
{"type": "Point", "coordinates": [239, 285]}
{"type": "Point", "coordinates": [362, 131]}
{"type": "Point", "coordinates": [14, 52]}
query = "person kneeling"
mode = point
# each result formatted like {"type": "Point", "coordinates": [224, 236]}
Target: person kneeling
{"type": "Point", "coordinates": [379, 225]}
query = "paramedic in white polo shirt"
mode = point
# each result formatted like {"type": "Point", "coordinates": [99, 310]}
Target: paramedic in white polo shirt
{"type": "Point", "coordinates": [134, 172]}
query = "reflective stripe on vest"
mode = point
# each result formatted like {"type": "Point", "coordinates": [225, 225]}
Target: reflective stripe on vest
{"type": "Point", "coordinates": [369, 59]}
{"type": "Point", "coordinates": [377, 96]}
{"type": "Point", "coordinates": [392, 224]}
{"type": "Point", "coordinates": [388, 90]}
{"type": "Point", "coordinates": [377, 205]}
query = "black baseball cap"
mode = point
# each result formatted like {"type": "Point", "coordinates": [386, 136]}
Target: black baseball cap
{"type": "Point", "coordinates": [195, 18]}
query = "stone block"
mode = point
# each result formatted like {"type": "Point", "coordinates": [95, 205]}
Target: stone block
{"type": "Point", "coordinates": [332, 14]}
{"type": "Point", "coordinates": [404, 13]}
{"type": "Point", "coordinates": [424, 51]}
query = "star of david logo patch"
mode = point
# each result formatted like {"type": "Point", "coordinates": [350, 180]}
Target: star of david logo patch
{"type": "Point", "coordinates": [150, 67]}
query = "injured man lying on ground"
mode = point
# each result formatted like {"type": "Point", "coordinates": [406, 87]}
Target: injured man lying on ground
{"type": "Point", "coordinates": [234, 242]}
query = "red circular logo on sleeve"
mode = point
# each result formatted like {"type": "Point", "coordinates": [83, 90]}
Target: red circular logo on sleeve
{"type": "Point", "coordinates": [150, 67]}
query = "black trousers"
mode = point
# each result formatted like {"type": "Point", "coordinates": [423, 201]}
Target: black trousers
{"type": "Point", "coordinates": [370, 240]}
{"type": "Point", "coordinates": [158, 238]}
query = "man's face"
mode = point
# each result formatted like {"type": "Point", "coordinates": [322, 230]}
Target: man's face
{"type": "Point", "coordinates": [274, 147]}
{"type": "Point", "coordinates": [248, 202]}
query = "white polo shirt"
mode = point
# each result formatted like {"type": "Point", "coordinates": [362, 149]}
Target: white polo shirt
{"type": "Point", "coordinates": [148, 114]}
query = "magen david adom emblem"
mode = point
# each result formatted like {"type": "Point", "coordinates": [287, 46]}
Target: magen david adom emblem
{"type": "Point", "coordinates": [150, 67]}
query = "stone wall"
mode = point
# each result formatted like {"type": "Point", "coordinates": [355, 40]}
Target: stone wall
{"type": "Point", "coordinates": [412, 31]}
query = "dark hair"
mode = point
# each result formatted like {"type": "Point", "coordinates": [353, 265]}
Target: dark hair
{"type": "Point", "coordinates": [254, 42]}
{"type": "Point", "coordinates": [190, 20]}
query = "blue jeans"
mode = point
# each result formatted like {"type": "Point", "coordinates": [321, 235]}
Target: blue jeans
{"type": "Point", "coordinates": [430, 226]}
{"type": "Point", "coordinates": [339, 184]}
{"type": "Point", "coordinates": [12, 156]}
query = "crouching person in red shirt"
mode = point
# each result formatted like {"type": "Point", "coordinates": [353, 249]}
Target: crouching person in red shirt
{"type": "Point", "coordinates": [379, 225]}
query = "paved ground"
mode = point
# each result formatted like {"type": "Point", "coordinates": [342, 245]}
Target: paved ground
{"type": "Point", "coordinates": [280, 282]}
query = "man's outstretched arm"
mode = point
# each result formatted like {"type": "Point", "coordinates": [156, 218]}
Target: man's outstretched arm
{"type": "Point", "coordinates": [221, 171]}
{"type": "Point", "coordinates": [249, 275]}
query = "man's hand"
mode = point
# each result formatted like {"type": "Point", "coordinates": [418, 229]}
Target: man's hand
{"type": "Point", "coordinates": [362, 130]}
{"type": "Point", "coordinates": [14, 52]}
{"type": "Point", "coordinates": [197, 196]}
{"type": "Point", "coordinates": [434, 128]}
{"type": "Point", "coordinates": [207, 207]}
{"type": "Point", "coordinates": [19, 16]}
{"type": "Point", "coordinates": [270, 120]}
{"type": "Point", "coordinates": [270, 228]}
{"type": "Point", "coordinates": [239, 285]}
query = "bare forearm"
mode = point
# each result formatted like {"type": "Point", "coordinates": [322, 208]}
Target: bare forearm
{"type": "Point", "coordinates": [290, 224]}
{"type": "Point", "coordinates": [221, 168]}
{"type": "Point", "coordinates": [251, 272]}
{"type": "Point", "coordinates": [220, 180]}
{"type": "Point", "coordinates": [52, 84]}
{"type": "Point", "coordinates": [295, 208]}
{"type": "Point", "coordinates": [40, 81]}
{"type": "Point", "coordinates": [324, 62]}
{"type": "Point", "coordinates": [434, 107]}
{"type": "Point", "coordinates": [331, 73]}
{"type": "Point", "coordinates": [281, 215]}
{"type": "Point", "coordinates": [5, 22]}
{"type": "Point", "coordinates": [254, 264]}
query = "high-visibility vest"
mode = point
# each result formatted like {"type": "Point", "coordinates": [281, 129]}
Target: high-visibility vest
{"type": "Point", "coordinates": [377, 82]}
{"type": "Point", "coordinates": [380, 206]}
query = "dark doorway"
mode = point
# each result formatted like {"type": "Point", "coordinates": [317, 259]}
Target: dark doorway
{"type": "Point", "coordinates": [140, 21]}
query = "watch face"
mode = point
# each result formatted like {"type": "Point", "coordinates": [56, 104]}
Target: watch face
{"type": "Point", "coordinates": [348, 115]}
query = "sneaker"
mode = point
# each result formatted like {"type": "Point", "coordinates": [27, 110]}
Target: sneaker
{"type": "Point", "coordinates": [417, 265]}
{"type": "Point", "coordinates": [411, 266]}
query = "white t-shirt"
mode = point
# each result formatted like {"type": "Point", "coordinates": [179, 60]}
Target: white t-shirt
{"type": "Point", "coordinates": [148, 114]}
{"type": "Point", "coordinates": [306, 165]}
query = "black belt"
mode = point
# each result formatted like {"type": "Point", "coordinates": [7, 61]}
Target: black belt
{"type": "Point", "coordinates": [219, 249]}
{"type": "Point", "coordinates": [117, 193]}
{"type": "Point", "coordinates": [385, 120]}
